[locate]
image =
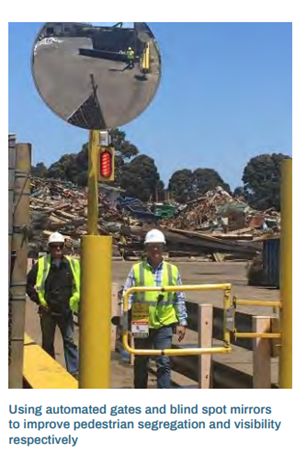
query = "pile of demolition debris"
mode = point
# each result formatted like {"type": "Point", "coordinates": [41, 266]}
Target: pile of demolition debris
{"type": "Point", "coordinates": [57, 205]}
{"type": "Point", "coordinates": [224, 216]}
{"type": "Point", "coordinates": [214, 227]}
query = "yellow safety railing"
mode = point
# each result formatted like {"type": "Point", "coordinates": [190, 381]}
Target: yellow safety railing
{"type": "Point", "coordinates": [238, 302]}
{"type": "Point", "coordinates": [185, 351]}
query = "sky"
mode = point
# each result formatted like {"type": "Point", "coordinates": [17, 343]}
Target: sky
{"type": "Point", "coordinates": [225, 96]}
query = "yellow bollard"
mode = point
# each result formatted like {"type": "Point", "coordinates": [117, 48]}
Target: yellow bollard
{"type": "Point", "coordinates": [145, 63]}
{"type": "Point", "coordinates": [285, 360]}
{"type": "Point", "coordinates": [95, 312]}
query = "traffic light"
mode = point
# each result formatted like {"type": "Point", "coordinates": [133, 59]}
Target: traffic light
{"type": "Point", "coordinates": [106, 164]}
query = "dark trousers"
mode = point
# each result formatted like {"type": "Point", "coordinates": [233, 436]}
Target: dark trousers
{"type": "Point", "coordinates": [159, 339]}
{"type": "Point", "coordinates": [130, 65]}
{"type": "Point", "coordinates": [48, 324]}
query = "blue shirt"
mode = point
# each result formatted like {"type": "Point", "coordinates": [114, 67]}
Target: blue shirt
{"type": "Point", "coordinates": [179, 304]}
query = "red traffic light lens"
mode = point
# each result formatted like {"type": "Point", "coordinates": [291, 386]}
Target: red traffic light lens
{"type": "Point", "coordinates": [106, 164]}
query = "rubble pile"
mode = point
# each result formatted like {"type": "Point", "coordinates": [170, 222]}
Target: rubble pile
{"type": "Point", "coordinates": [224, 216]}
{"type": "Point", "coordinates": [62, 206]}
{"type": "Point", "coordinates": [214, 227]}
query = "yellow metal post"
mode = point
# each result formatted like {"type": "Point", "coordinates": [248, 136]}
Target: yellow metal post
{"type": "Point", "coordinates": [146, 59]}
{"type": "Point", "coordinates": [95, 307]}
{"type": "Point", "coordinates": [95, 314]}
{"type": "Point", "coordinates": [285, 360]}
{"type": "Point", "coordinates": [226, 306]}
{"type": "Point", "coordinates": [93, 210]}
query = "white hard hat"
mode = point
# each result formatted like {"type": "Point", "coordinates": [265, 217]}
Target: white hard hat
{"type": "Point", "coordinates": [155, 236]}
{"type": "Point", "coordinates": [56, 237]}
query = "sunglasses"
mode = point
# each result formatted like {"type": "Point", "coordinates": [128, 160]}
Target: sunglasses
{"type": "Point", "coordinates": [56, 246]}
{"type": "Point", "coordinates": [157, 247]}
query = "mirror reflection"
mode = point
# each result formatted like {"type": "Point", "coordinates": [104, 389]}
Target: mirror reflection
{"type": "Point", "coordinates": [96, 76]}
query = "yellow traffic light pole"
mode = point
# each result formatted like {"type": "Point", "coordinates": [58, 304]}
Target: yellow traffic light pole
{"type": "Point", "coordinates": [96, 281]}
{"type": "Point", "coordinates": [92, 206]}
{"type": "Point", "coordinates": [285, 360]}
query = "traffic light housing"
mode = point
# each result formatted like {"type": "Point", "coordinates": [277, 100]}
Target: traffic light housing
{"type": "Point", "coordinates": [106, 164]}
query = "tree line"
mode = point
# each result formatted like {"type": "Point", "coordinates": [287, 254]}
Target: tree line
{"type": "Point", "coordinates": [138, 175]}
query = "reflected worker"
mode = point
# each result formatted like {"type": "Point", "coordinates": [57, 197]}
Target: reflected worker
{"type": "Point", "coordinates": [130, 55]}
{"type": "Point", "coordinates": [54, 285]}
{"type": "Point", "coordinates": [166, 311]}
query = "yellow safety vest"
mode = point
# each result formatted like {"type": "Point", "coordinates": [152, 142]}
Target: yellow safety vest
{"type": "Point", "coordinates": [161, 313]}
{"type": "Point", "coordinates": [44, 264]}
{"type": "Point", "coordinates": [130, 54]}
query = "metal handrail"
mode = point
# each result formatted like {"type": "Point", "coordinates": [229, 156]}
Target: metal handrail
{"type": "Point", "coordinates": [238, 302]}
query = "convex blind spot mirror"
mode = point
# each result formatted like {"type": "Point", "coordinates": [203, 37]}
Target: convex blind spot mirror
{"type": "Point", "coordinates": [96, 77]}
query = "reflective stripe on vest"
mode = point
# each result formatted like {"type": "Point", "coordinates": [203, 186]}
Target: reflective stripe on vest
{"type": "Point", "coordinates": [44, 264]}
{"type": "Point", "coordinates": [75, 298]}
{"type": "Point", "coordinates": [160, 313]}
{"type": "Point", "coordinates": [45, 271]}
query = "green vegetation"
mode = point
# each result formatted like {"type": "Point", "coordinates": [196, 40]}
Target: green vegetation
{"type": "Point", "coordinates": [138, 175]}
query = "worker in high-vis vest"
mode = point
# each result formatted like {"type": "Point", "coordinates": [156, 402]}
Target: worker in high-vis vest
{"type": "Point", "coordinates": [130, 56]}
{"type": "Point", "coordinates": [53, 284]}
{"type": "Point", "coordinates": [155, 316]}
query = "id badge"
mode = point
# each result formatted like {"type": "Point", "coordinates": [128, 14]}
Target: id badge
{"type": "Point", "coordinates": [140, 320]}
